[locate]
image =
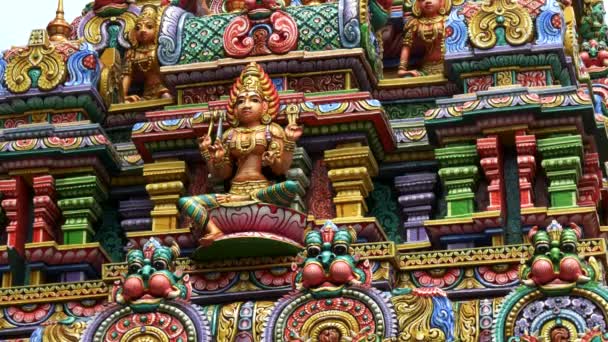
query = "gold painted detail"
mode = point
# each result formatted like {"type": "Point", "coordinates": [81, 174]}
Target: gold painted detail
{"type": "Point", "coordinates": [467, 321]}
{"type": "Point", "coordinates": [351, 170]}
{"type": "Point", "coordinates": [228, 322]}
{"type": "Point", "coordinates": [508, 14]}
{"type": "Point", "coordinates": [39, 56]}
{"type": "Point", "coordinates": [53, 293]}
{"type": "Point", "coordinates": [371, 251]}
{"type": "Point", "coordinates": [110, 84]}
{"type": "Point", "coordinates": [165, 185]}
{"type": "Point", "coordinates": [261, 312]}
{"type": "Point", "coordinates": [93, 29]}
{"type": "Point", "coordinates": [58, 331]}
{"type": "Point", "coordinates": [486, 255]}
{"type": "Point", "coordinates": [414, 317]}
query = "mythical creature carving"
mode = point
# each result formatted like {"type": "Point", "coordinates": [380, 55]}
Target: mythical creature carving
{"type": "Point", "coordinates": [151, 278]}
{"type": "Point", "coordinates": [330, 263]}
{"type": "Point", "coordinates": [593, 30]}
{"type": "Point", "coordinates": [253, 142]}
{"type": "Point", "coordinates": [555, 266]}
{"type": "Point", "coordinates": [141, 63]}
{"type": "Point", "coordinates": [423, 37]}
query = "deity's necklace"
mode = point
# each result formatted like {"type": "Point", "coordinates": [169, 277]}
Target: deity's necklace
{"type": "Point", "coordinates": [238, 143]}
{"type": "Point", "coordinates": [434, 25]}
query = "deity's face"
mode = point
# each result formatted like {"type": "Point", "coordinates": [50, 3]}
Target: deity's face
{"type": "Point", "coordinates": [430, 8]}
{"type": "Point", "coordinates": [330, 335]}
{"type": "Point", "coordinates": [250, 107]}
{"type": "Point", "coordinates": [145, 32]}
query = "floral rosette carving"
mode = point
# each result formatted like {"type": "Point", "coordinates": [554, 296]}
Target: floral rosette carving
{"type": "Point", "coordinates": [213, 282]}
{"type": "Point", "coordinates": [498, 275]}
{"type": "Point", "coordinates": [29, 314]}
{"type": "Point", "coordinates": [444, 278]}
{"type": "Point", "coordinates": [84, 308]}
{"type": "Point", "coordinates": [275, 277]}
{"type": "Point", "coordinates": [263, 29]}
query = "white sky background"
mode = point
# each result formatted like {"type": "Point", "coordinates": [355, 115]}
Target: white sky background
{"type": "Point", "coordinates": [19, 17]}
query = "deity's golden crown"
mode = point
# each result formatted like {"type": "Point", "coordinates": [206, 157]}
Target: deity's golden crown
{"type": "Point", "coordinates": [251, 78]}
{"type": "Point", "coordinates": [148, 12]}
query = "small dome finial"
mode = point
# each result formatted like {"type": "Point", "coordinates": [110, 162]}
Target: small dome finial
{"type": "Point", "coordinates": [59, 30]}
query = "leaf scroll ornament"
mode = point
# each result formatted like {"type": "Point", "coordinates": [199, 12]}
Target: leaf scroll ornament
{"type": "Point", "coordinates": [506, 14]}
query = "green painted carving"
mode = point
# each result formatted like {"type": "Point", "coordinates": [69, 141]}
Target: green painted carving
{"type": "Point", "coordinates": [80, 203]}
{"type": "Point", "coordinates": [317, 26]}
{"type": "Point", "coordinates": [110, 234]}
{"type": "Point", "coordinates": [382, 204]}
{"type": "Point", "coordinates": [203, 38]}
{"type": "Point", "coordinates": [406, 110]}
{"type": "Point", "coordinates": [458, 174]}
{"type": "Point", "coordinates": [592, 23]}
{"type": "Point", "coordinates": [562, 164]}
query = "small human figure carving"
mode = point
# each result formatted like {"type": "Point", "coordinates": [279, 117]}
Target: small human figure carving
{"type": "Point", "coordinates": [424, 36]}
{"type": "Point", "coordinates": [141, 63]}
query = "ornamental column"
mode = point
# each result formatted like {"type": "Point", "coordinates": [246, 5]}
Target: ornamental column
{"type": "Point", "coordinates": [46, 212]}
{"type": "Point", "coordinates": [562, 164]}
{"type": "Point", "coordinates": [352, 167]}
{"type": "Point", "coordinates": [165, 186]}
{"type": "Point", "coordinates": [526, 164]}
{"type": "Point", "coordinates": [590, 185]}
{"type": "Point", "coordinates": [416, 200]}
{"type": "Point", "coordinates": [458, 173]}
{"type": "Point", "coordinates": [491, 162]}
{"type": "Point", "coordinates": [299, 173]}
{"type": "Point", "coordinates": [80, 204]}
{"type": "Point", "coordinates": [16, 205]}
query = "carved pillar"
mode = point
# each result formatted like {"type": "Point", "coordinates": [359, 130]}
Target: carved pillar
{"type": "Point", "coordinates": [416, 200]}
{"type": "Point", "coordinates": [16, 205]}
{"type": "Point", "coordinates": [491, 162]}
{"type": "Point", "coordinates": [526, 163]}
{"type": "Point", "coordinates": [459, 176]}
{"type": "Point", "coordinates": [589, 186]}
{"type": "Point", "coordinates": [46, 212]}
{"type": "Point", "coordinates": [80, 203]}
{"type": "Point", "coordinates": [352, 167]}
{"type": "Point", "coordinates": [135, 214]}
{"type": "Point", "coordinates": [299, 172]}
{"type": "Point", "coordinates": [562, 164]}
{"type": "Point", "coordinates": [165, 186]}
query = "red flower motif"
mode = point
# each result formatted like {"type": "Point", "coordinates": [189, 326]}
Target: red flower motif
{"type": "Point", "coordinates": [449, 31]}
{"type": "Point", "coordinates": [556, 21]}
{"type": "Point", "coordinates": [441, 278]}
{"type": "Point", "coordinates": [212, 281]}
{"type": "Point", "coordinates": [499, 274]}
{"type": "Point", "coordinates": [90, 62]}
{"type": "Point", "coordinates": [29, 313]}
{"type": "Point", "coordinates": [85, 308]}
{"type": "Point", "coordinates": [275, 277]}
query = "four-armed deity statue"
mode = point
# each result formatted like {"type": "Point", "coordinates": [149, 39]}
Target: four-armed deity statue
{"type": "Point", "coordinates": [253, 142]}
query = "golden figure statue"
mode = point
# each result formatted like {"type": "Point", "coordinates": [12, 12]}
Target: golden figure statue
{"type": "Point", "coordinates": [424, 35]}
{"type": "Point", "coordinates": [141, 64]}
{"type": "Point", "coordinates": [252, 143]}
